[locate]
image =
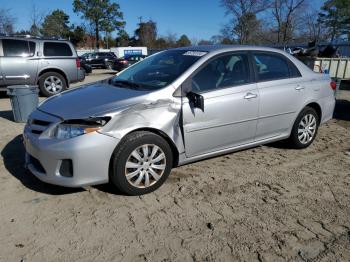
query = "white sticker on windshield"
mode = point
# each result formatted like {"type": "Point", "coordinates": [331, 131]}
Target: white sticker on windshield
{"type": "Point", "coordinates": [195, 53]}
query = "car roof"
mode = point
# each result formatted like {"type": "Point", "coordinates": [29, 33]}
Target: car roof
{"type": "Point", "coordinates": [31, 38]}
{"type": "Point", "coordinates": [225, 48]}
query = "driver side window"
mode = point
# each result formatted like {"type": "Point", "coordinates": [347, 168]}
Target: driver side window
{"type": "Point", "coordinates": [224, 71]}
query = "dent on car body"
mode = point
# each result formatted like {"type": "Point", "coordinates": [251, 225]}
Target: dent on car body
{"type": "Point", "coordinates": [162, 115]}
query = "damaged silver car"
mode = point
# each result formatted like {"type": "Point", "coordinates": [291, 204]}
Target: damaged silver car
{"type": "Point", "coordinates": [173, 108]}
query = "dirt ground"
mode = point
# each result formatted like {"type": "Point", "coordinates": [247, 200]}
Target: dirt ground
{"type": "Point", "coordinates": [268, 203]}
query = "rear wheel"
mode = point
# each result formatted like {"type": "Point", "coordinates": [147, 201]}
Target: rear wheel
{"type": "Point", "coordinates": [304, 129]}
{"type": "Point", "coordinates": [141, 163]}
{"type": "Point", "coordinates": [52, 83]}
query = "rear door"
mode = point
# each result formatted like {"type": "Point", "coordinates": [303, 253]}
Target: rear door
{"type": "Point", "coordinates": [231, 103]}
{"type": "Point", "coordinates": [60, 55]}
{"type": "Point", "coordinates": [281, 92]}
{"type": "Point", "coordinates": [19, 63]}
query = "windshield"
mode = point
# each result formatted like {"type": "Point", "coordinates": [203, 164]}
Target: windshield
{"type": "Point", "coordinates": [159, 70]}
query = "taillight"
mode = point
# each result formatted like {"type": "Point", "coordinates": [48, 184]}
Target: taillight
{"type": "Point", "coordinates": [124, 62]}
{"type": "Point", "coordinates": [77, 61]}
{"type": "Point", "coordinates": [333, 85]}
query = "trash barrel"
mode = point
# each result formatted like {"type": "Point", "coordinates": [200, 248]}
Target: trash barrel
{"type": "Point", "coordinates": [24, 100]}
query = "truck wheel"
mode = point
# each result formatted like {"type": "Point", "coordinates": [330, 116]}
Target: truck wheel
{"type": "Point", "coordinates": [141, 163]}
{"type": "Point", "coordinates": [52, 83]}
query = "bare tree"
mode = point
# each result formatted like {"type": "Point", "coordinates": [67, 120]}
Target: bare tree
{"type": "Point", "coordinates": [244, 23]}
{"type": "Point", "coordinates": [313, 28]}
{"type": "Point", "coordinates": [285, 13]}
{"type": "Point", "coordinates": [36, 20]}
{"type": "Point", "coordinates": [7, 21]}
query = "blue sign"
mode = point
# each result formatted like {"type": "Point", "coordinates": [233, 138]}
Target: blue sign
{"type": "Point", "coordinates": [132, 52]}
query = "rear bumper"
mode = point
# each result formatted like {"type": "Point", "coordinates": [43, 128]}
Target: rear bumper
{"type": "Point", "coordinates": [89, 154]}
{"type": "Point", "coordinates": [81, 75]}
{"type": "Point", "coordinates": [118, 67]}
{"type": "Point", "coordinates": [328, 105]}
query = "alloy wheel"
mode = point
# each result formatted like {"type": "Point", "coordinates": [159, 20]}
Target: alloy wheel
{"type": "Point", "coordinates": [53, 85]}
{"type": "Point", "coordinates": [307, 128]}
{"type": "Point", "coordinates": [145, 166]}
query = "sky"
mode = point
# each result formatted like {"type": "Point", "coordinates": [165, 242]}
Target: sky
{"type": "Point", "coordinates": [198, 19]}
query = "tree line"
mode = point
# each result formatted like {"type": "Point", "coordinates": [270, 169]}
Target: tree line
{"type": "Point", "coordinates": [271, 22]}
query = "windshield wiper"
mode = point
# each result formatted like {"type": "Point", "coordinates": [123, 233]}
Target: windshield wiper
{"type": "Point", "coordinates": [125, 83]}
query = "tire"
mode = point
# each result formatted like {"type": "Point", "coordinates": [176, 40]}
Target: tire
{"type": "Point", "coordinates": [52, 77]}
{"type": "Point", "coordinates": [109, 66]}
{"type": "Point", "coordinates": [137, 183]}
{"type": "Point", "coordinates": [301, 139]}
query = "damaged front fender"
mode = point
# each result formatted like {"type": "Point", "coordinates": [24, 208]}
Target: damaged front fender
{"type": "Point", "coordinates": [163, 115]}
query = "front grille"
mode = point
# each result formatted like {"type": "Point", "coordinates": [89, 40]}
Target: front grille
{"type": "Point", "coordinates": [37, 132]}
{"type": "Point", "coordinates": [36, 164]}
{"type": "Point", "coordinates": [38, 126]}
{"type": "Point", "coordinates": [40, 122]}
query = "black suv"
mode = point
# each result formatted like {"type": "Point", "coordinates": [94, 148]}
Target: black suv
{"type": "Point", "coordinates": [124, 62]}
{"type": "Point", "coordinates": [100, 59]}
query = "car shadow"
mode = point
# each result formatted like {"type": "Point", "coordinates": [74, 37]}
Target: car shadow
{"type": "Point", "coordinates": [13, 158]}
{"type": "Point", "coordinates": [109, 189]}
{"type": "Point", "coordinates": [7, 114]}
{"type": "Point", "coordinates": [342, 110]}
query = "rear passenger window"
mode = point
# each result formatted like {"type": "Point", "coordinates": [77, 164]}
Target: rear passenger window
{"type": "Point", "coordinates": [18, 48]}
{"type": "Point", "coordinates": [271, 67]}
{"type": "Point", "coordinates": [57, 49]}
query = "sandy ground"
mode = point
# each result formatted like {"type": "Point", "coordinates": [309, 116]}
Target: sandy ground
{"type": "Point", "coordinates": [264, 204]}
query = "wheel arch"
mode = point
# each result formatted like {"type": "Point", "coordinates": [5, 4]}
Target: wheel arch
{"type": "Point", "coordinates": [317, 108]}
{"type": "Point", "coordinates": [56, 70]}
{"type": "Point", "coordinates": [158, 132]}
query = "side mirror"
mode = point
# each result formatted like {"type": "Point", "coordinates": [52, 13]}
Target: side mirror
{"type": "Point", "coordinates": [196, 100]}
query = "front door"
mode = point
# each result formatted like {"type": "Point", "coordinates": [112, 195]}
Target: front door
{"type": "Point", "coordinates": [19, 64]}
{"type": "Point", "coordinates": [231, 102]}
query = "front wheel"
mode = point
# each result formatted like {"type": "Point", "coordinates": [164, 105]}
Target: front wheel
{"type": "Point", "coordinates": [141, 163]}
{"type": "Point", "coordinates": [109, 66]}
{"type": "Point", "coordinates": [304, 129]}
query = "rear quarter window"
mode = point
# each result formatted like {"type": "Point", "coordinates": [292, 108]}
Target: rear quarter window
{"type": "Point", "coordinates": [294, 71]}
{"type": "Point", "coordinates": [57, 49]}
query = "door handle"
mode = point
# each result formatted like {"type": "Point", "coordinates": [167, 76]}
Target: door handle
{"type": "Point", "coordinates": [299, 87]}
{"type": "Point", "coordinates": [250, 96]}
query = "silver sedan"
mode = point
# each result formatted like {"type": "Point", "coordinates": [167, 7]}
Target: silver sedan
{"type": "Point", "coordinates": [173, 108]}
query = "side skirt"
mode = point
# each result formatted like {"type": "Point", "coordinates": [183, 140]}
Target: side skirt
{"type": "Point", "coordinates": [183, 160]}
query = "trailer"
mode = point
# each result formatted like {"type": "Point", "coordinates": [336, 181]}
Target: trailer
{"type": "Point", "coordinates": [337, 68]}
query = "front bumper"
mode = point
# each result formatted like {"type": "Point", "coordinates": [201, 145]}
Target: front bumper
{"type": "Point", "coordinates": [90, 156]}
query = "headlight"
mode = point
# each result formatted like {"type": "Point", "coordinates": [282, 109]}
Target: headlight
{"type": "Point", "coordinates": [74, 128]}
{"type": "Point", "coordinates": [64, 131]}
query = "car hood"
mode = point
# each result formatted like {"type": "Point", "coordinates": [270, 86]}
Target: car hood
{"type": "Point", "coordinates": [91, 100]}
